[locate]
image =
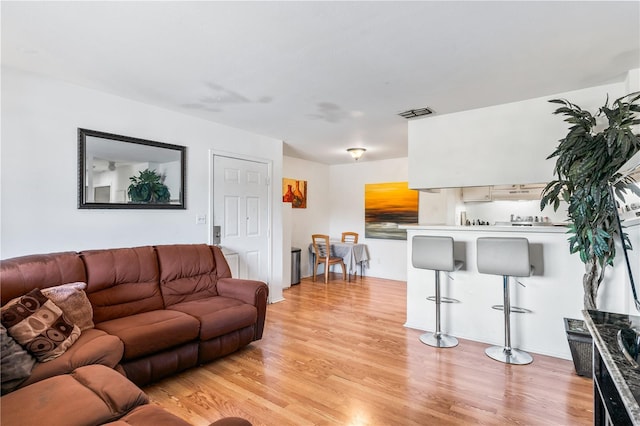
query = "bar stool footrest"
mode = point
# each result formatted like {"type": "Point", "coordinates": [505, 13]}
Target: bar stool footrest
{"type": "Point", "coordinates": [443, 299]}
{"type": "Point", "coordinates": [514, 309]}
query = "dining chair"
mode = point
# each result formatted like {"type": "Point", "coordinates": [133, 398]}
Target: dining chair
{"type": "Point", "coordinates": [322, 251]}
{"type": "Point", "coordinates": [350, 237]}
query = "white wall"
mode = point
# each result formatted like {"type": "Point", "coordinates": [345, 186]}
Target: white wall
{"type": "Point", "coordinates": [502, 144]}
{"type": "Point", "coordinates": [336, 204]}
{"type": "Point", "coordinates": [38, 204]}
{"type": "Point", "coordinates": [388, 257]}
{"type": "Point", "coordinates": [315, 218]}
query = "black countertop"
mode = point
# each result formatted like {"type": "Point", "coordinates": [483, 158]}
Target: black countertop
{"type": "Point", "coordinates": [604, 327]}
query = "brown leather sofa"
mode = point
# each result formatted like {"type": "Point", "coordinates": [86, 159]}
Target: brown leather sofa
{"type": "Point", "coordinates": [157, 309]}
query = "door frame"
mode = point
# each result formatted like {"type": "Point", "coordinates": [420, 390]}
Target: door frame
{"type": "Point", "coordinates": [212, 154]}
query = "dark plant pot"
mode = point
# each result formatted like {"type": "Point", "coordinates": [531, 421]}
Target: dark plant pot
{"type": "Point", "coordinates": [581, 346]}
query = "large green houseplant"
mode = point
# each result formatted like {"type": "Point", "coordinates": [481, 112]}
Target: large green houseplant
{"type": "Point", "coordinates": [587, 162]}
{"type": "Point", "coordinates": [148, 187]}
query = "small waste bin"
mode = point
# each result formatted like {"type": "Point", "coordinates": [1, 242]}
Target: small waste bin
{"type": "Point", "coordinates": [295, 265]}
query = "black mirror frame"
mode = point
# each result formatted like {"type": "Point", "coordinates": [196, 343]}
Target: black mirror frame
{"type": "Point", "coordinates": [82, 204]}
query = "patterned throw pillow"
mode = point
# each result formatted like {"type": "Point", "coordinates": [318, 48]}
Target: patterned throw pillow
{"type": "Point", "coordinates": [74, 303]}
{"type": "Point", "coordinates": [36, 323]}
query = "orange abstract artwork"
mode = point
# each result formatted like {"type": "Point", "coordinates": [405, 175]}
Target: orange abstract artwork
{"type": "Point", "coordinates": [294, 192]}
{"type": "Point", "coordinates": [387, 205]}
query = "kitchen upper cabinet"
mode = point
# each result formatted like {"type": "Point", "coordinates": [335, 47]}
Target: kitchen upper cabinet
{"type": "Point", "coordinates": [530, 191]}
{"type": "Point", "coordinates": [476, 193]}
{"type": "Point", "coordinates": [507, 143]}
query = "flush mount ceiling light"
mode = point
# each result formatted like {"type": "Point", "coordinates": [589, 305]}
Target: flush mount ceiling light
{"type": "Point", "coordinates": [413, 113]}
{"type": "Point", "coordinates": [356, 153]}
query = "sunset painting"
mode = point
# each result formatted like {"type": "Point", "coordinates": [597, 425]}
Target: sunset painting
{"type": "Point", "coordinates": [387, 205]}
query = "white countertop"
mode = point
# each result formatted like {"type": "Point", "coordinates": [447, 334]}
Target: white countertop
{"type": "Point", "coordinates": [546, 229]}
{"type": "Point", "coordinates": [553, 229]}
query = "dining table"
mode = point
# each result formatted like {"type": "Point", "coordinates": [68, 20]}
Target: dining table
{"type": "Point", "coordinates": [352, 254]}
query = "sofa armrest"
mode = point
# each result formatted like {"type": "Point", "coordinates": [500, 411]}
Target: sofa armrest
{"type": "Point", "coordinates": [248, 291]}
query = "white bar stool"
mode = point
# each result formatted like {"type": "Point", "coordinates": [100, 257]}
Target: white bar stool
{"type": "Point", "coordinates": [435, 253]}
{"type": "Point", "coordinates": [508, 257]}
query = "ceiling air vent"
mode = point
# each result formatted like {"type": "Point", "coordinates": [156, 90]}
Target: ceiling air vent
{"type": "Point", "coordinates": [413, 113]}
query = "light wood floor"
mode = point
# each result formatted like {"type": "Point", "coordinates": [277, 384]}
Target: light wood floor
{"type": "Point", "coordinates": [339, 355]}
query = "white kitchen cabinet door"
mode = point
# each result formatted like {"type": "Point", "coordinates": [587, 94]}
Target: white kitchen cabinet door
{"type": "Point", "coordinates": [532, 191]}
{"type": "Point", "coordinates": [476, 193]}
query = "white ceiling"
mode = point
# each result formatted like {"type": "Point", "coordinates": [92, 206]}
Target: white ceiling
{"type": "Point", "coordinates": [324, 76]}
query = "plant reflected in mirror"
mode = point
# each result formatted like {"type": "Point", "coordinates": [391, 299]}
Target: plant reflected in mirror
{"type": "Point", "coordinates": [149, 187]}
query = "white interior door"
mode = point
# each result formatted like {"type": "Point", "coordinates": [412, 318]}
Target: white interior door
{"type": "Point", "coordinates": [241, 209]}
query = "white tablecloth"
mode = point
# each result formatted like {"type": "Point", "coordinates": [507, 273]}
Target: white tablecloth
{"type": "Point", "coordinates": [352, 255]}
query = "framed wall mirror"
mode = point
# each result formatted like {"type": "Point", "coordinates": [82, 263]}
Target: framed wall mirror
{"type": "Point", "coordinates": [121, 172]}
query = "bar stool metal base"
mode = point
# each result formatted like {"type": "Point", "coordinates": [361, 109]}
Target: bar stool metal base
{"type": "Point", "coordinates": [439, 341]}
{"type": "Point", "coordinates": [508, 356]}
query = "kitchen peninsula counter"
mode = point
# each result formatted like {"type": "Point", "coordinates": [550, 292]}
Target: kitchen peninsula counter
{"type": "Point", "coordinates": [553, 229]}
{"type": "Point", "coordinates": [553, 292]}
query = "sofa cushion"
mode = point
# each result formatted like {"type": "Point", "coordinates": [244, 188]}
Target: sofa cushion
{"type": "Point", "coordinates": [151, 415]}
{"type": "Point", "coordinates": [122, 282]}
{"type": "Point", "coordinates": [150, 332]}
{"type": "Point", "coordinates": [187, 272]}
{"type": "Point", "coordinates": [91, 395]}
{"type": "Point", "coordinates": [218, 315]}
{"type": "Point", "coordinates": [22, 274]}
{"type": "Point", "coordinates": [74, 303]}
{"type": "Point", "coordinates": [92, 347]}
{"type": "Point", "coordinates": [15, 363]}
{"type": "Point", "coordinates": [36, 323]}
